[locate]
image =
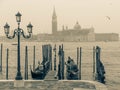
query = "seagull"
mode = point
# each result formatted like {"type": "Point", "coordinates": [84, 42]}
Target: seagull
{"type": "Point", "coordinates": [108, 17]}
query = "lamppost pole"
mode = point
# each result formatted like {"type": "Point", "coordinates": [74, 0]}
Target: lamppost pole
{"type": "Point", "coordinates": [18, 32]}
{"type": "Point", "coordinates": [18, 76]}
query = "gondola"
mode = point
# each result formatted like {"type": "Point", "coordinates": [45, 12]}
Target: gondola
{"type": "Point", "coordinates": [41, 71]}
{"type": "Point", "coordinates": [38, 73]}
{"type": "Point", "coordinates": [71, 70]}
{"type": "Point", "coordinates": [43, 68]}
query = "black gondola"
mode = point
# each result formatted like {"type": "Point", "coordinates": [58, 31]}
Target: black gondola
{"type": "Point", "coordinates": [41, 71]}
{"type": "Point", "coordinates": [71, 70]}
{"type": "Point", "coordinates": [38, 73]}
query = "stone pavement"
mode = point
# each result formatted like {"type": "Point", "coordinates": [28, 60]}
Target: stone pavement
{"type": "Point", "coordinates": [50, 76]}
{"type": "Point", "coordinates": [53, 85]}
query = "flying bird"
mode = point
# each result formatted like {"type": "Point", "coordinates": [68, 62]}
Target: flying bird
{"type": "Point", "coordinates": [108, 17]}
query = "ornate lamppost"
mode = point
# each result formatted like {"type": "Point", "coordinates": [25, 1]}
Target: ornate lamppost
{"type": "Point", "coordinates": [18, 32]}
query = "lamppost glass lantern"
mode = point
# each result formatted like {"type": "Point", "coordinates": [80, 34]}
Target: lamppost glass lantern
{"type": "Point", "coordinates": [29, 28]}
{"type": "Point", "coordinates": [6, 29]}
{"type": "Point", "coordinates": [18, 17]}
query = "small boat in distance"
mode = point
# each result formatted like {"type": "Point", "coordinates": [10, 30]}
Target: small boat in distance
{"type": "Point", "coordinates": [14, 44]}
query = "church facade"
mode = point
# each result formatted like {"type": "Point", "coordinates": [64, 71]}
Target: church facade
{"type": "Point", "coordinates": [74, 34]}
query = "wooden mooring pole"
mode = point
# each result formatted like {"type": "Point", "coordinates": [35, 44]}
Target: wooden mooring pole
{"type": "Point", "coordinates": [77, 57]}
{"type": "Point", "coordinates": [80, 63]}
{"type": "Point", "coordinates": [1, 57]}
{"type": "Point", "coordinates": [34, 58]}
{"type": "Point", "coordinates": [26, 63]}
{"type": "Point", "coordinates": [7, 55]}
{"type": "Point", "coordinates": [97, 62]}
{"type": "Point", "coordinates": [97, 58]}
{"type": "Point", "coordinates": [50, 55]}
{"type": "Point", "coordinates": [54, 57]}
{"type": "Point", "coordinates": [61, 63]}
{"type": "Point", "coordinates": [94, 71]}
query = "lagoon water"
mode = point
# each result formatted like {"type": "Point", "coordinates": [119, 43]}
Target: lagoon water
{"type": "Point", "coordinates": [110, 56]}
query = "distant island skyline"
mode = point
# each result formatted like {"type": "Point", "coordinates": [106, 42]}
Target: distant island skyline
{"type": "Point", "coordinates": [103, 15]}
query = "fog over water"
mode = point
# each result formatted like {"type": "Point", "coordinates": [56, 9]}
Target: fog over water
{"type": "Point", "coordinates": [103, 15]}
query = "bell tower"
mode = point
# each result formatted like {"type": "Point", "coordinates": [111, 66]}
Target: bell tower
{"type": "Point", "coordinates": [54, 22]}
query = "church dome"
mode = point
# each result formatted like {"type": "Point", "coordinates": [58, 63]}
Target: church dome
{"type": "Point", "coordinates": [77, 26]}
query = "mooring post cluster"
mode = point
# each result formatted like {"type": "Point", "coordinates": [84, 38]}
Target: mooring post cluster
{"type": "Point", "coordinates": [98, 67]}
{"type": "Point", "coordinates": [47, 56]}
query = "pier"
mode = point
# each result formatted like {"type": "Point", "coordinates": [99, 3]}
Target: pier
{"type": "Point", "coordinates": [51, 75]}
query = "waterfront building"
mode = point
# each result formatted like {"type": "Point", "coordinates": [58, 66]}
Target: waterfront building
{"type": "Point", "coordinates": [74, 34]}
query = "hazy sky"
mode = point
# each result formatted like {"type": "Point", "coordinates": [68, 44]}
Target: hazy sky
{"type": "Point", "coordinates": [103, 15]}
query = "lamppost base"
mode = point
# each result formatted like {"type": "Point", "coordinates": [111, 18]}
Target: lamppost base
{"type": "Point", "coordinates": [18, 83]}
{"type": "Point", "coordinates": [18, 76]}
